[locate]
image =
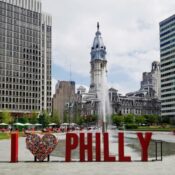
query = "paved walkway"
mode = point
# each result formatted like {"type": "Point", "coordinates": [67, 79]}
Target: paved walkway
{"type": "Point", "coordinates": [166, 167]}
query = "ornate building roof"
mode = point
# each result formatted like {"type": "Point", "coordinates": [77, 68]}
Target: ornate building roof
{"type": "Point", "coordinates": [98, 50]}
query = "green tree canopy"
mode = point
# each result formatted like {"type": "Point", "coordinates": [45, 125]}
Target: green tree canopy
{"type": "Point", "coordinates": [129, 118]}
{"type": "Point", "coordinates": [22, 119]}
{"type": "Point", "coordinates": [33, 118]}
{"type": "Point", "coordinates": [117, 119]}
{"type": "Point", "coordinates": [152, 119]}
{"type": "Point", "coordinates": [140, 119]}
{"type": "Point", "coordinates": [65, 117]}
{"type": "Point", "coordinates": [44, 119]}
{"type": "Point", "coordinates": [55, 118]}
{"type": "Point", "coordinates": [5, 117]}
{"type": "Point", "coordinates": [79, 120]}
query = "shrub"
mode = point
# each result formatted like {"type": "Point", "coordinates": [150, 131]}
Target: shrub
{"type": "Point", "coordinates": [131, 126]}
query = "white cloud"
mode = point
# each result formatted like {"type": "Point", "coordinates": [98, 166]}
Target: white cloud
{"type": "Point", "coordinates": [134, 64]}
{"type": "Point", "coordinates": [121, 90]}
{"type": "Point", "coordinates": [130, 29]}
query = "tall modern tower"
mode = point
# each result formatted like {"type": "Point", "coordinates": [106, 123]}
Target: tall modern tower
{"type": "Point", "coordinates": [46, 41]}
{"type": "Point", "coordinates": [25, 57]}
{"type": "Point", "coordinates": [167, 53]}
{"type": "Point", "coordinates": [98, 62]}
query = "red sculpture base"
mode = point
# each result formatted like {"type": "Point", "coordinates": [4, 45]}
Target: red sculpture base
{"type": "Point", "coordinates": [14, 147]}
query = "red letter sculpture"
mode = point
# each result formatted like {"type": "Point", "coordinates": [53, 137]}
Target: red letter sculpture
{"type": "Point", "coordinates": [107, 157]}
{"type": "Point", "coordinates": [122, 157]}
{"type": "Point", "coordinates": [71, 143]}
{"type": "Point", "coordinates": [98, 147]}
{"type": "Point", "coordinates": [84, 147]}
{"type": "Point", "coordinates": [144, 142]}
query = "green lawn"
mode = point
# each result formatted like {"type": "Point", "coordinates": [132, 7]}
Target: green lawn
{"type": "Point", "coordinates": [4, 136]}
{"type": "Point", "coordinates": [156, 128]}
{"type": "Point", "coordinates": [7, 135]}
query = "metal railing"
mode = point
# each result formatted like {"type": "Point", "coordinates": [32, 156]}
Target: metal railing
{"type": "Point", "coordinates": [158, 150]}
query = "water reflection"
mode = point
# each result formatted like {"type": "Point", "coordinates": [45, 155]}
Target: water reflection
{"type": "Point", "coordinates": [168, 148]}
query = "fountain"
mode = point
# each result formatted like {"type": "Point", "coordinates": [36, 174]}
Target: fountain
{"type": "Point", "coordinates": [104, 104]}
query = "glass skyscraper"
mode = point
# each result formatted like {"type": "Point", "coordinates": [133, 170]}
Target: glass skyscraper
{"type": "Point", "coordinates": [167, 53]}
{"type": "Point", "coordinates": [25, 57]}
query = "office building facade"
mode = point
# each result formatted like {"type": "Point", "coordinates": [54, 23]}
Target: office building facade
{"type": "Point", "coordinates": [25, 57]}
{"type": "Point", "coordinates": [167, 53]}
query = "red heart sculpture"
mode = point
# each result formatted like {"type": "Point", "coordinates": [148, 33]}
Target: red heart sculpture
{"type": "Point", "coordinates": [40, 146]}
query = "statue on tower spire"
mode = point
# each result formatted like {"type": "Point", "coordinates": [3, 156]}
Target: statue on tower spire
{"type": "Point", "coordinates": [98, 26]}
{"type": "Point", "coordinates": [98, 49]}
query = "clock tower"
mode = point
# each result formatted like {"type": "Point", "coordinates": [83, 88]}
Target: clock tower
{"type": "Point", "coordinates": [98, 63]}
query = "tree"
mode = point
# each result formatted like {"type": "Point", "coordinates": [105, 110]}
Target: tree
{"type": "Point", "coordinates": [164, 120]}
{"type": "Point", "coordinates": [65, 117]}
{"type": "Point", "coordinates": [34, 118]}
{"type": "Point", "coordinates": [140, 119]}
{"type": "Point", "coordinates": [44, 119]}
{"type": "Point", "coordinates": [5, 117]}
{"type": "Point", "coordinates": [117, 119]}
{"type": "Point", "coordinates": [94, 118]}
{"type": "Point", "coordinates": [23, 119]}
{"type": "Point", "coordinates": [79, 120]}
{"type": "Point", "coordinates": [152, 119]}
{"type": "Point", "coordinates": [129, 118]}
{"type": "Point", "coordinates": [87, 119]}
{"type": "Point", "coordinates": [55, 118]}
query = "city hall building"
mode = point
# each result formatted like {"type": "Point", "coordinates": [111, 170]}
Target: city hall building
{"type": "Point", "coordinates": [144, 101]}
{"type": "Point", "coordinates": [25, 57]}
{"type": "Point", "coordinates": [167, 53]}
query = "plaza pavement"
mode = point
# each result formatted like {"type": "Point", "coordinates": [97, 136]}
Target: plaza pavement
{"type": "Point", "coordinates": [27, 167]}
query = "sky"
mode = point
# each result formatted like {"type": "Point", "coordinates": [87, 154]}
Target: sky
{"type": "Point", "coordinates": [130, 31]}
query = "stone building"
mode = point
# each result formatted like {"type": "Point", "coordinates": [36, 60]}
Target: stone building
{"type": "Point", "coordinates": [138, 105]}
{"type": "Point", "coordinates": [150, 84]}
{"type": "Point", "coordinates": [64, 98]}
{"type": "Point", "coordinates": [98, 63]}
{"type": "Point", "coordinates": [151, 80]}
{"type": "Point", "coordinates": [92, 102]}
{"type": "Point", "coordinates": [144, 101]}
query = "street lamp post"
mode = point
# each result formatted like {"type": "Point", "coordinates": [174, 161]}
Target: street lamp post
{"type": "Point", "coordinates": [69, 109]}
